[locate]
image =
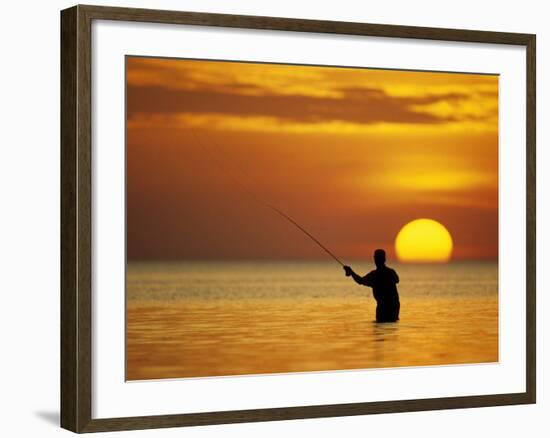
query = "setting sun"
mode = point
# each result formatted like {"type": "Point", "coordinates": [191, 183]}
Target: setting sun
{"type": "Point", "coordinates": [424, 240]}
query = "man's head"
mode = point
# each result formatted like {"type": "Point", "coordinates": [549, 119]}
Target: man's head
{"type": "Point", "coordinates": [379, 258]}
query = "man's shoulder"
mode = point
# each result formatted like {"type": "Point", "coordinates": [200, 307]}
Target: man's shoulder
{"type": "Point", "coordinates": [391, 272]}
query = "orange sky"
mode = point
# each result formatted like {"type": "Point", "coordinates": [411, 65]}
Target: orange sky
{"type": "Point", "coordinates": [351, 154]}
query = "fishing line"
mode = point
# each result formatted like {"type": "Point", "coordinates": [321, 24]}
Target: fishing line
{"type": "Point", "coordinates": [256, 197]}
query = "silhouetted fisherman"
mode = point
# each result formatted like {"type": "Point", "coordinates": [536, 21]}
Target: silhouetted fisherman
{"type": "Point", "coordinates": [383, 281]}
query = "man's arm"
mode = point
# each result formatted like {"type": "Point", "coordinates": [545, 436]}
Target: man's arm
{"type": "Point", "coordinates": [395, 277]}
{"type": "Point", "coordinates": [356, 277]}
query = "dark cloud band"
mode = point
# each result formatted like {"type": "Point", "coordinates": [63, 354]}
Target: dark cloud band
{"type": "Point", "coordinates": [357, 105]}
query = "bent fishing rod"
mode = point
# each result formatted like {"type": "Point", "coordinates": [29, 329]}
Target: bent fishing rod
{"type": "Point", "coordinates": [245, 188]}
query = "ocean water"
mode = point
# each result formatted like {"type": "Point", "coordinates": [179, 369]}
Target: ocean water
{"type": "Point", "coordinates": [197, 319]}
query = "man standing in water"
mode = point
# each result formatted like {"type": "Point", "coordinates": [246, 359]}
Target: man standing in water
{"type": "Point", "coordinates": [383, 281]}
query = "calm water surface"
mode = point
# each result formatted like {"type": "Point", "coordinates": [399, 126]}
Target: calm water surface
{"type": "Point", "coordinates": [193, 319]}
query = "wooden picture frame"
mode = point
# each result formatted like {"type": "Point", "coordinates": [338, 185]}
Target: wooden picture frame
{"type": "Point", "coordinates": [76, 218]}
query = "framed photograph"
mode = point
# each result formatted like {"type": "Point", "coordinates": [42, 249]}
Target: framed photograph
{"type": "Point", "coordinates": [270, 218]}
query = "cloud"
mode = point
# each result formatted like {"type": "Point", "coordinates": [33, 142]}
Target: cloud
{"type": "Point", "coordinates": [272, 125]}
{"type": "Point", "coordinates": [357, 105]}
{"type": "Point", "coordinates": [314, 95]}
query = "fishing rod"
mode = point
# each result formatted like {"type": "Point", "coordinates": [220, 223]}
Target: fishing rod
{"type": "Point", "coordinates": [258, 199]}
